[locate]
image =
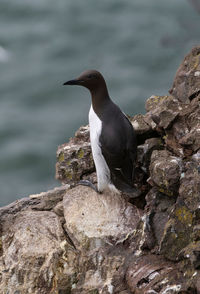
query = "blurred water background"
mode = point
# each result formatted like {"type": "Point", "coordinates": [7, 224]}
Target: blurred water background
{"type": "Point", "coordinates": [136, 44]}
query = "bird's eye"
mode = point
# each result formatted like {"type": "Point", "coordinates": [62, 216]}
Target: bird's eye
{"type": "Point", "coordinates": [90, 76]}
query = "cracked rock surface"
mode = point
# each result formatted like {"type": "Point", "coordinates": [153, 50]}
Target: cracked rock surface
{"type": "Point", "coordinates": [73, 240]}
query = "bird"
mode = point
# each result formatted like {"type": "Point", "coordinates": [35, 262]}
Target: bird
{"type": "Point", "coordinates": [112, 137]}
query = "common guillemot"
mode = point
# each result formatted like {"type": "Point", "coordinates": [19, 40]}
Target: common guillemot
{"type": "Point", "coordinates": [112, 137]}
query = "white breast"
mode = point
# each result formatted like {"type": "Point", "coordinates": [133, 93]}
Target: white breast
{"type": "Point", "coordinates": [103, 172]}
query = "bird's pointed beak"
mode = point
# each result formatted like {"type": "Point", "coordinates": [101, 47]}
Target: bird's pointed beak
{"type": "Point", "coordinates": [72, 82]}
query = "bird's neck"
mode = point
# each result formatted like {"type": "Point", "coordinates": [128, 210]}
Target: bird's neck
{"type": "Point", "coordinates": [100, 98]}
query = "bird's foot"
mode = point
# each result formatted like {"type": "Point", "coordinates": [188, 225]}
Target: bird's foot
{"type": "Point", "coordinates": [87, 183]}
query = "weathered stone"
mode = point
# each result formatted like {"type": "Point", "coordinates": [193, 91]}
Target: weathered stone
{"type": "Point", "coordinates": [33, 246]}
{"type": "Point", "coordinates": [58, 209]}
{"type": "Point", "coordinates": [165, 171]}
{"type": "Point", "coordinates": [82, 134]}
{"type": "Point", "coordinates": [196, 158]}
{"type": "Point", "coordinates": [198, 285]}
{"type": "Point", "coordinates": [186, 84]}
{"type": "Point", "coordinates": [98, 225]}
{"type": "Point", "coordinates": [181, 123]}
{"type": "Point", "coordinates": [93, 220]}
{"type": "Point", "coordinates": [192, 253]}
{"type": "Point", "coordinates": [163, 110]}
{"type": "Point", "coordinates": [152, 274]}
{"type": "Point", "coordinates": [165, 118]}
{"type": "Point", "coordinates": [140, 126]}
{"type": "Point", "coordinates": [143, 238]}
{"type": "Point", "coordinates": [56, 266]}
{"type": "Point", "coordinates": [183, 137]}
{"type": "Point", "coordinates": [158, 207]}
{"type": "Point", "coordinates": [74, 159]}
{"type": "Point", "coordinates": [173, 144]}
{"type": "Point", "coordinates": [43, 201]}
{"type": "Point", "coordinates": [153, 102]}
{"type": "Point", "coordinates": [192, 139]}
{"type": "Point", "coordinates": [189, 189]}
{"type": "Point", "coordinates": [101, 272]}
{"type": "Point", "coordinates": [48, 200]}
{"type": "Point", "coordinates": [145, 150]}
{"type": "Point", "coordinates": [31, 251]}
{"type": "Point", "coordinates": [144, 127]}
{"type": "Point", "coordinates": [177, 232]}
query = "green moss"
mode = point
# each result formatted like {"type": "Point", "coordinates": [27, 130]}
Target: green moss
{"type": "Point", "coordinates": [68, 175]}
{"type": "Point", "coordinates": [175, 238]}
{"type": "Point", "coordinates": [184, 215]}
{"type": "Point", "coordinates": [80, 153]}
{"type": "Point", "coordinates": [165, 137]}
{"type": "Point", "coordinates": [196, 62]}
{"type": "Point", "coordinates": [165, 182]}
{"type": "Point", "coordinates": [166, 192]}
{"type": "Point", "coordinates": [154, 100]}
{"type": "Point", "coordinates": [61, 157]}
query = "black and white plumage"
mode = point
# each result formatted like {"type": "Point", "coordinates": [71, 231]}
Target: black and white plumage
{"type": "Point", "coordinates": [112, 136]}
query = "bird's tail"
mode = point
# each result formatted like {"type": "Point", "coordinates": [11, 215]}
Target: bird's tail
{"type": "Point", "coordinates": [123, 185]}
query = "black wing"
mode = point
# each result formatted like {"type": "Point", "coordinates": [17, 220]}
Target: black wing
{"type": "Point", "coordinates": [118, 145]}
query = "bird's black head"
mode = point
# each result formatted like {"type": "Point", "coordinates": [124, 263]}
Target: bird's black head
{"type": "Point", "coordinates": [90, 79]}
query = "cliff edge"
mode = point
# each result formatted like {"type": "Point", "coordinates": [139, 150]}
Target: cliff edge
{"type": "Point", "coordinates": [73, 240]}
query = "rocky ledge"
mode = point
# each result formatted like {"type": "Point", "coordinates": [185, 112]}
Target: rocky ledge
{"type": "Point", "coordinates": [73, 240]}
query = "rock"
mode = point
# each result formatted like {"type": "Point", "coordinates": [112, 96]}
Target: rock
{"type": "Point", "coordinates": [158, 208]}
{"type": "Point", "coordinates": [98, 225]}
{"type": "Point", "coordinates": [183, 137]}
{"type": "Point", "coordinates": [189, 190]}
{"type": "Point", "coordinates": [192, 252]}
{"type": "Point", "coordinates": [145, 150]}
{"type": "Point", "coordinates": [139, 124]}
{"type": "Point", "coordinates": [177, 233]}
{"type": "Point", "coordinates": [165, 171]}
{"type": "Point", "coordinates": [31, 250]}
{"type": "Point", "coordinates": [153, 274]}
{"type": "Point", "coordinates": [33, 245]}
{"type": "Point", "coordinates": [198, 286]}
{"type": "Point", "coordinates": [163, 110]}
{"type": "Point", "coordinates": [88, 256]}
{"type": "Point", "coordinates": [50, 199]}
{"type": "Point", "coordinates": [93, 219]}
{"type": "Point", "coordinates": [178, 123]}
{"type": "Point", "coordinates": [74, 159]}
{"type": "Point", "coordinates": [144, 127]}
{"type": "Point", "coordinates": [186, 84]}
{"type": "Point", "coordinates": [149, 273]}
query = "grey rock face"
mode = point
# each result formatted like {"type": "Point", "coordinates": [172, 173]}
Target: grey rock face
{"type": "Point", "coordinates": [186, 84]}
{"type": "Point", "coordinates": [73, 240]}
{"type": "Point", "coordinates": [74, 159]}
{"type": "Point", "coordinates": [165, 171]}
{"type": "Point", "coordinates": [32, 243]}
{"type": "Point", "coordinates": [105, 218]}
